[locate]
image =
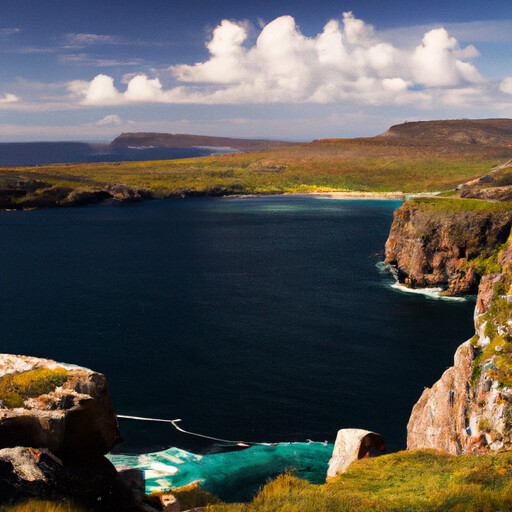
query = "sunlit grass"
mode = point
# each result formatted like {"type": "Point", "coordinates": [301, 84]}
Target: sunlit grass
{"type": "Point", "coordinates": [15, 389]}
{"type": "Point", "coordinates": [405, 481]}
{"type": "Point", "coordinates": [42, 506]}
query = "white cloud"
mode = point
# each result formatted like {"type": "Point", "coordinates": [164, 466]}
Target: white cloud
{"type": "Point", "coordinates": [141, 88]}
{"type": "Point", "coordinates": [506, 85]}
{"type": "Point", "coordinates": [345, 63]}
{"type": "Point", "coordinates": [109, 120]}
{"type": "Point", "coordinates": [435, 65]}
{"type": "Point", "coordinates": [81, 40]}
{"type": "Point", "coordinates": [6, 32]}
{"type": "Point", "coordinates": [9, 98]}
{"type": "Point", "coordinates": [100, 91]}
{"type": "Point", "coordinates": [82, 59]}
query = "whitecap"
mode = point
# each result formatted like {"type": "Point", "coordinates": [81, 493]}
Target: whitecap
{"type": "Point", "coordinates": [431, 293]}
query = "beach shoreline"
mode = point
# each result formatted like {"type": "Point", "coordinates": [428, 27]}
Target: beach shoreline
{"type": "Point", "coordinates": [328, 195]}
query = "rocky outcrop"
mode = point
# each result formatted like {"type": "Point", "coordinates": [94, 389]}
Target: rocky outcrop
{"type": "Point", "coordinates": [354, 444]}
{"type": "Point", "coordinates": [469, 410]}
{"type": "Point", "coordinates": [444, 243]}
{"type": "Point", "coordinates": [56, 423]}
{"type": "Point", "coordinates": [72, 416]}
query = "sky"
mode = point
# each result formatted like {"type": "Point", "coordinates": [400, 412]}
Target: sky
{"type": "Point", "coordinates": [280, 69]}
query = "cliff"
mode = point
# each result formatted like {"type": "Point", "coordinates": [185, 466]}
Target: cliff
{"type": "Point", "coordinates": [461, 245]}
{"type": "Point", "coordinates": [56, 423]}
{"type": "Point", "coordinates": [446, 243]}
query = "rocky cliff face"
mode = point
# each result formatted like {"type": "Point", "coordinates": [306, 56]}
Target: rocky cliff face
{"type": "Point", "coordinates": [438, 243]}
{"type": "Point", "coordinates": [66, 409]}
{"type": "Point", "coordinates": [56, 423]}
{"type": "Point", "coordinates": [470, 408]}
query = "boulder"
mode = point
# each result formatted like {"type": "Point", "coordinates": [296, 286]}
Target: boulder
{"type": "Point", "coordinates": [94, 484]}
{"type": "Point", "coordinates": [63, 408]}
{"type": "Point", "coordinates": [353, 444]}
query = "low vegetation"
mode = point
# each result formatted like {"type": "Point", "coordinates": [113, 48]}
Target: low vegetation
{"type": "Point", "coordinates": [15, 389]}
{"type": "Point", "coordinates": [42, 506]}
{"type": "Point", "coordinates": [324, 166]}
{"type": "Point", "coordinates": [422, 481]}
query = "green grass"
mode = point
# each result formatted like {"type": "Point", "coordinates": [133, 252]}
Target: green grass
{"type": "Point", "coordinates": [42, 506]}
{"type": "Point", "coordinates": [421, 481]}
{"type": "Point", "coordinates": [294, 169]}
{"type": "Point", "coordinates": [457, 205]}
{"type": "Point", "coordinates": [15, 389]}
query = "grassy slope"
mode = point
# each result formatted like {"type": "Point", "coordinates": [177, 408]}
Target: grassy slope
{"type": "Point", "coordinates": [420, 481]}
{"type": "Point", "coordinates": [412, 157]}
{"type": "Point", "coordinates": [404, 481]}
{"type": "Point", "coordinates": [326, 166]}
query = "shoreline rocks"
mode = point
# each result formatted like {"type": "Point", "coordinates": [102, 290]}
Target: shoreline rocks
{"type": "Point", "coordinates": [75, 420]}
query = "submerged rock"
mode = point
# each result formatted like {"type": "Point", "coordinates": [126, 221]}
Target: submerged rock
{"type": "Point", "coordinates": [63, 408]}
{"type": "Point", "coordinates": [354, 444]}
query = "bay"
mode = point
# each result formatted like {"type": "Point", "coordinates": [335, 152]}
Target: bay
{"type": "Point", "coordinates": [258, 319]}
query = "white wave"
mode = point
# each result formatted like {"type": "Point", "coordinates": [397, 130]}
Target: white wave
{"type": "Point", "coordinates": [431, 293]}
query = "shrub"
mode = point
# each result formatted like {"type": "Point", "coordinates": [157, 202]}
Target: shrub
{"type": "Point", "coordinates": [15, 389]}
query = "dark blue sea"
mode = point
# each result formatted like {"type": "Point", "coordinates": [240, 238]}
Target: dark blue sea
{"type": "Point", "coordinates": [14, 154]}
{"type": "Point", "coordinates": [256, 319]}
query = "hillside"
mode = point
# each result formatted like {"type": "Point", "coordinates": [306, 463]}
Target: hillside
{"type": "Point", "coordinates": [478, 132]}
{"type": "Point", "coordinates": [179, 140]}
{"type": "Point", "coordinates": [413, 157]}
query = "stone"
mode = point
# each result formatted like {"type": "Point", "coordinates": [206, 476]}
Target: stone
{"type": "Point", "coordinates": [354, 444]}
{"type": "Point", "coordinates": [133, 478]}
{"type": "Point", "coordinates": [75, 420]}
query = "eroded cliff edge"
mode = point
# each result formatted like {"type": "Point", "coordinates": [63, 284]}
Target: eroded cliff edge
{"type": "Point", "coordinates": [462, 246]}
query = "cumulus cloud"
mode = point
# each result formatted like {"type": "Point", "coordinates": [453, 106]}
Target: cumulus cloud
{"type": "Point", "coordinates": [506, 85]}
{"type": "Point", "coordinates": [435, 64]}
{"type": "Point", "coordinates": [9, 98]}
{"type": "Point", "coordinates": [346, 62]}
{"type": "Point", "coordinates": [109, 120]}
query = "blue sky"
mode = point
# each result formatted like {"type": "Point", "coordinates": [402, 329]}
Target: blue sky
{"type": "Point", "coordinates": [76, 70]}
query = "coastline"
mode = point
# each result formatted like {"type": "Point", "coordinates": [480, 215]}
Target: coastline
{"type": "Point", "coordinates": [328, 195]}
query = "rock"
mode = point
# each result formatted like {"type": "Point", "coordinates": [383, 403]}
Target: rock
{"type": "Point", "coordinates": [353, 444]}
{"type": "Point", "coordinates": [73, 420]}
{"type": "Point", "coordinates": [31, 473]}
{"type": "Point", "coordinates": [169, 503]}
{"type": "Point", "coordinates": [37, 472]}
{"type": "Point", "coordinates": [469, 409]}
{"type": "Point", "coordinates": [430, 245]}
{"type": "Point", "coordinates": [133, 478]}
{"type": "Point", "coordinates": [438, 419]}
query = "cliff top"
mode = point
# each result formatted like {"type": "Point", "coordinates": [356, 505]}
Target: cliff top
{"type": "Point", "coordinates": [484, 132]}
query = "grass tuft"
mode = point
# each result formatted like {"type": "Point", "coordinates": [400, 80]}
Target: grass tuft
{"type": "Point", "coordinates": [15, 389]}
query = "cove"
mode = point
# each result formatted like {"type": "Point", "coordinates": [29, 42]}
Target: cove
{"type": "Point", "coordinates": [256, 319]}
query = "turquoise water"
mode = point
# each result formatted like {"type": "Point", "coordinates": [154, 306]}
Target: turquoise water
{"type": "Point", "coordinates": [231, 476]}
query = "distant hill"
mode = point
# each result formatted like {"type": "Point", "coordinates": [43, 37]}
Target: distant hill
{"type": "Point", "coordinates": [179, 140]}
{"type": "Point", "coordinates": [488, 132]}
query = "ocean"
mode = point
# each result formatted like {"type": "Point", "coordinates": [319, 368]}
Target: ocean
{"type": "Point", "coordinates": [15, 154]}
{"type": "Point", "coordinates": [261, 319]}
